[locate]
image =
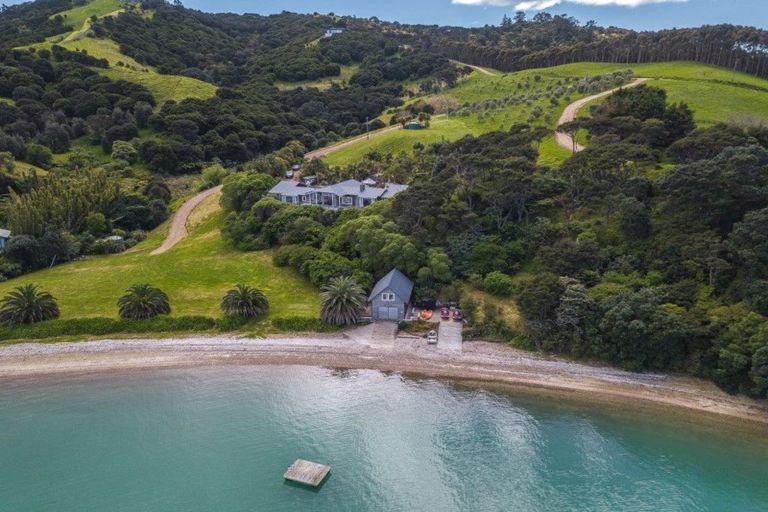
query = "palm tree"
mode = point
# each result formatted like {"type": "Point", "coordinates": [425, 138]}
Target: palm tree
{"type": "Point", "coordinates": [27, 305]}
{"type": "Point", "coordinates": [343, 300]}
{"type": "Point", "coordinates": [142, 302]}
{"type": "Point", "coordinates": [245, 301]}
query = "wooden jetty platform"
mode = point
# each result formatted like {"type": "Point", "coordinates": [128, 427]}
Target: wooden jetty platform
{"type": "Point", "coordinates": [307, 473]}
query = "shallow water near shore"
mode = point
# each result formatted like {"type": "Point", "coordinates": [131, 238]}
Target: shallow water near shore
{"type": "Point", "coordinates": [208, 439]}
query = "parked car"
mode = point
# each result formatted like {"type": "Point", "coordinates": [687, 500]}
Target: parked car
{"type": "Point", "coordinates": [445, 313]}
{"type": "Point", "coordinates": [458, 316]}
{"type": "Point", "coordinates": [432, 337]}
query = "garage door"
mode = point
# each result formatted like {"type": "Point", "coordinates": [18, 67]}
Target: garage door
{"type": "Point", "coordinates": [388, 313]}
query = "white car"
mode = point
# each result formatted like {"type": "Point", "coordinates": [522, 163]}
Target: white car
{"type": "Point", "coordinates": [432, 337]}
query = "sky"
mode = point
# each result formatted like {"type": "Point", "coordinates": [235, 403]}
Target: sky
{"type": "Point", "coordinates": [637, 14]}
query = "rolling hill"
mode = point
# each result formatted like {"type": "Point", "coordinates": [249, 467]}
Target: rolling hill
{"type": "Point", "coordinates": [714, 94]}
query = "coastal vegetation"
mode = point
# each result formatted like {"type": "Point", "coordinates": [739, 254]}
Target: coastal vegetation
{"type": "Point", "coordinates": [27, 305]}
{"type": "Point", "coordinates": [245, 301]}
{"type": "Point", "coordinates": [343, 301]}
{"type": "Point", "coordinates": [143, 302]}
{"type": "Point", "coordinates": [645, 250]}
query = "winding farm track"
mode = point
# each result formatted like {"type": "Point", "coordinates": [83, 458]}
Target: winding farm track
{"type": "Point", "coordinates": [569, 114]}
{"type": "Point", "coordinates": [178, 230]}
{"type": "Point", "coordinates": [476, 68]}
{"type": "Point", "coordinates": [327, 150]}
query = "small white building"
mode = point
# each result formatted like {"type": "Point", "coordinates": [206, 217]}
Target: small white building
{"type": "Point", "coordinates": [5, 235]}
{"type": "Point", "coordinates": [333, 31]}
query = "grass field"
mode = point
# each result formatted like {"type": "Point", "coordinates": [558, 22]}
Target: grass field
{"type": "Point", "coordinates": [76, 16]}
{"type": "Point", "coordinates": [476, 89]}
{"type": "Point", "coordinates": [123, 67]}
{"type": "Point", "coordinates": [715, 94]}
{"type": "Point", "coordinates": [195, 274]}
{"type": "Point", "coordinates": [323, 83]}
{"type": "Point", "coordinates": [162, 87]}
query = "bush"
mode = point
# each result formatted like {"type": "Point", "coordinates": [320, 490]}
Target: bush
{"type": "Point", "coordinates": [498, 283]}
{"type": "Point", "coordinates": [213, 175]}
{"type": "Point", "coordinates": [301, 324]}
{"type": "Point", "coordinates": [105, 326]}
{"type": "Point", "coordinates": [39, 155]}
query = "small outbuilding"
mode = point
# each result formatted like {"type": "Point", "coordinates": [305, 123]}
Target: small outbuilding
{"type": "Point", "coordinates": [391, 296]}
{"type": "Point", "coordinates": [5, 235]}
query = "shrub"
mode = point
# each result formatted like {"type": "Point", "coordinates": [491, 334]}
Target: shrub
{"type": "Point", "coordinates": [27, 305]}
{"type": "Point", "coordinates": [106, 326]}
{"type": "Point", "coordinates": [142, 302]}
{"type": "Point", "coordinates": [301, 324]}
{"type": "Point", "coordinates": [498, 283]}
{"type": "Point", "coordinates": [245, 301]}
{"type": "Point", "coordinates": [343, 301]}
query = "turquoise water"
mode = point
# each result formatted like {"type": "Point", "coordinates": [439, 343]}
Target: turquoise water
{"type": "Point", "coordinates": [220, 439]}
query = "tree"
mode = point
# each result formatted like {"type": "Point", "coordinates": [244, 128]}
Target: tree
{"type": "Point", "coordinates": [640, 332]}
{"type": "Point", "coordinates": [721, 190]}
{"type": "Point", "coordinates": [538, 300]}
{"type": "Point", "coordinates": [245, 301]}
{"type": "Point", "coordinates": [27, 305]}
{"type": "Point", "coordinates": [242, 190]}
{"type": "Point", "coordinates": [122, 150]}
{"type": "Point", "coordinates": [96, 224]}
{"type": "Point", "coordinates": [39, 155]}
{"type": "Point", "coordinates": [498, 283]}
{"type": "Point", "coordinates": [759, 371]}
{"type": "Point", "coordinates": [757, 296]}
{"type": "Point", "coordinates": [343, 301]}
{"type": "Point", "coordinates": [749, 239]}
{"type": "Point", "coordinates": [634, 220]}
{"type": "Point", "coordinates": [142, 302]}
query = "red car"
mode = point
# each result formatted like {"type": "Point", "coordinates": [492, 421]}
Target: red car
{"type": "Point", "coordinates": [457, 315]}
{"type": "Point", "coordinates": [445, 313]}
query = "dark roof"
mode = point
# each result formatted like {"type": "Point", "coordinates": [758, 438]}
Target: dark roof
{"type": "Point", "coordinates": [395, 281]}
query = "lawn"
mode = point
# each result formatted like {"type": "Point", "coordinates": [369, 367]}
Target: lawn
{"type": "Point", "coordinates": [195, 274]}
{"type": "Point", "coordinates": [551, 154]}
{"type": "Point", "coordinates": [76, 16]}
{"type": "Point", "coordinates": [715, 94]}
{"type": "Point", "coordinates": [403, 140]}
{"type": "Point", "coordinates": [323, 83]}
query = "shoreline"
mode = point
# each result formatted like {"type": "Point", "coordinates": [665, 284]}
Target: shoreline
{"type": "Point", "coordinates": [480, 362]}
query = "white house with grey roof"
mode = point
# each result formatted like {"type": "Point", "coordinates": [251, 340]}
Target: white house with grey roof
{"type": "Point", "coordinates": [391, 296]}
{"type": "Point", "coordinates": [347, 194]}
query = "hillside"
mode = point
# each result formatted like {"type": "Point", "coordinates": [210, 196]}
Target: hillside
{"type": "Point", "coordinates": [195, 274]}
{"type": "Point", "coordinates": [714, 94]}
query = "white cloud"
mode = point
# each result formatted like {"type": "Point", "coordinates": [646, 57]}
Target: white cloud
{"type": "Point", "coordinates": [530, 5]}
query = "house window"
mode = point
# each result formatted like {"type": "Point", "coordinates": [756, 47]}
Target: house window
{"type": "Point", "coordinates": [304, 199]}
{"type": "Point", "coordinates": [346, 200]}
{"type": "Point", "coordinates": [388, 297]}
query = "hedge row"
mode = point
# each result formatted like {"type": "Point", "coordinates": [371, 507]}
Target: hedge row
{"type": "Point", "coordinates": [106, 326]}
{"type": "Point", "coordinates": [301, 324]}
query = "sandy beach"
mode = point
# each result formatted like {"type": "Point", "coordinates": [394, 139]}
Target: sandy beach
{"type": "Point", "coordinates": [476, 361]}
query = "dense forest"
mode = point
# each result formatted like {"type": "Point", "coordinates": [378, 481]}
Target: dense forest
{"type": "Point", "coordinates": [550, 40]}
